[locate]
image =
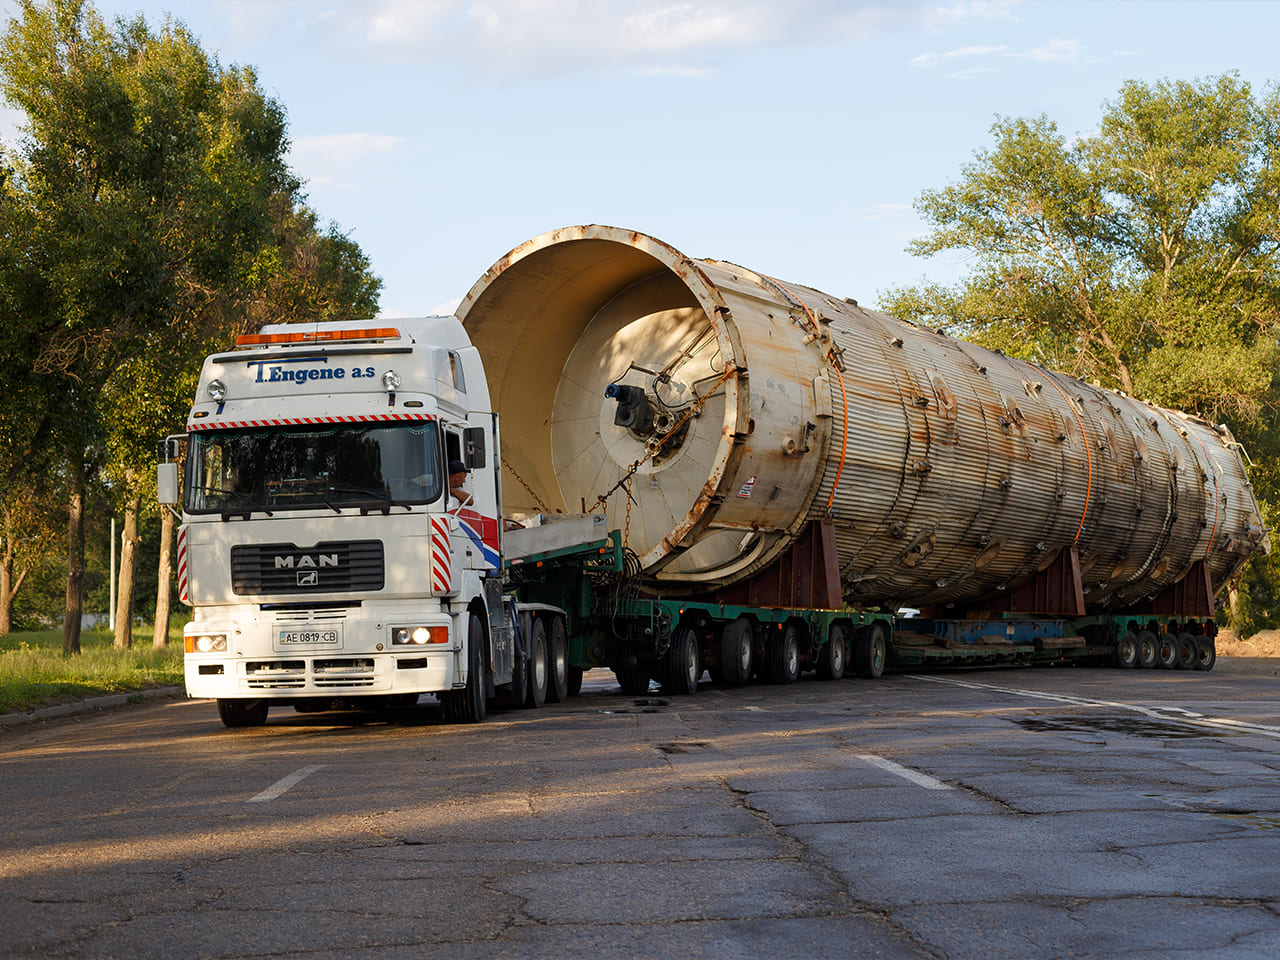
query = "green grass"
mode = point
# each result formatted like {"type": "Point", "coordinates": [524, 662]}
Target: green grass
{"type": "Point", "coordinates": [34, 672]}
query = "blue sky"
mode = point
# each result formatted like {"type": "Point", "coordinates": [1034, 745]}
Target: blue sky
{"type": "Point", "coordinates": [789, 136]}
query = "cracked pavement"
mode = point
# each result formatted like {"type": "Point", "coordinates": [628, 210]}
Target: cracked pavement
{"type": "Point", "coordinates": [1007, 814]}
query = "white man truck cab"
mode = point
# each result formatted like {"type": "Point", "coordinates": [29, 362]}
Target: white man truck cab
{"type": "Point", "coordinates": [320, 548]}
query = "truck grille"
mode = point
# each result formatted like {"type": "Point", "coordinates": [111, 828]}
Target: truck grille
{"type": "Point", "coordinates": [281, 568]}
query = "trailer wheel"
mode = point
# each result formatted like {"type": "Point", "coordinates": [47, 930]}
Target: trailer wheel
{"type": "Point", "coordinates": [737, 643]}
{"type": "Point", "coordinates": [1125, 654]}
{"type": "Point", "coordinates": [1148, 650]}
{"type": "Point", "coordinates": [684, 663]}
{"type": "Point", "coordinates": [783, 651]}
{"type": "Point", "coordinates": [558, 661]}
{"type": "Point", "coordinates": [243, 713]}
{"type": "Point", "coordinates": [1186, 652]}
{"type": "Point", "coordinates": [1166, 651]}
{"type": "Point", "coordinates": [832, 656]}
{"type": "Point", "coordinates": [870, 649]}
{"type": "Point", "coordinates": [1206, 653]}
{"type": "Point", "coordinates": [468, 705]}
{"type": "Point", "coordinates": [537, 664]}
{"type": "Point", "coordinates": [633, 676]}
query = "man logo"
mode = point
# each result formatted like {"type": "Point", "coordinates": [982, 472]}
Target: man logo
{"type": "Point", "coordinates": [308, 578]}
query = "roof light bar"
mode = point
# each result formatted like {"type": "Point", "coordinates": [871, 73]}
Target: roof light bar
{"type": "Point", "coordinates": [317, 336]}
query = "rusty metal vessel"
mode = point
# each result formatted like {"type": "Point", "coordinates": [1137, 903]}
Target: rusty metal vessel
{"type": "Point", "coordinates": [724, 415]}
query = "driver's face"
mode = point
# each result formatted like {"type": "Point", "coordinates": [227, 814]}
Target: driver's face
{"type": "Point", "coordinates": [457, 479]}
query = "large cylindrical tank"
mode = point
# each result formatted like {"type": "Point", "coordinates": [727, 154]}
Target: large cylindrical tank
{"type": "Point", "coordinates": [742, 407]}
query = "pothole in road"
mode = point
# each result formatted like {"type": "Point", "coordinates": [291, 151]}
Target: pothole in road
{"type": "Point", "coordinates": [639, 706]}
{"type": "Point", "coordinates": [1127, 726]}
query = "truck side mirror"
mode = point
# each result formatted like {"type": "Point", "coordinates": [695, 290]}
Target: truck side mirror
{"type": "Point", "coordinates": [167, 449]}
{"type": "Point", "coordinates": [167, 483]}
{"type": "Point", "coordinates": [473, 447]}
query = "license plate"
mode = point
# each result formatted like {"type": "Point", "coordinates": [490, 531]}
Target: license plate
{"type": "Point", "coordinates": [329, 636]}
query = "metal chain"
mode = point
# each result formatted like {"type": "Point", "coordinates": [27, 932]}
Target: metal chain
{"type": "Point", "coordinates": [512, 470]}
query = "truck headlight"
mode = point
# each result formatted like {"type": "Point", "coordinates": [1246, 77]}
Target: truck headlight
{"type": "Point", "coordinates": [417, 636]}
{"type": "Point", "coordinates": [206, 643]}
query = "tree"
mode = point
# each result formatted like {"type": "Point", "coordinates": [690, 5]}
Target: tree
{"type": "Point", "coordinates": [161, 213]}
{"type": "Point", "coordinates": [1144, 257]}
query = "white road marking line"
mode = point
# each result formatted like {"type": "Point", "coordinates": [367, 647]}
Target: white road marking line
{"type": "Point", "coordinates": [898, 770]}
{"type": "Point", "coordinates": [1155, 713]}
{"type": "Point", "coordinates": [285, 783]}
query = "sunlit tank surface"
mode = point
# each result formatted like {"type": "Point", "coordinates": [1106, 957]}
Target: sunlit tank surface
{"type": "Point", "coordinates": [743, 407]}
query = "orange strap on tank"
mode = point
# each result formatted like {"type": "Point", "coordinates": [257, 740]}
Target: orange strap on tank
{"type": "Point", "coordinates": [1088, 456]}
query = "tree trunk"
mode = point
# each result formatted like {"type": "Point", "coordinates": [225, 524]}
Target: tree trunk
{"type": "Point", "coordinates": [161, 637]}
{"type": "Point", "coordinates": [8, 588]}
{"type": "Point", "coordinates": [75, 565]}
{"type": "Point", "coordinates": [128, 563]}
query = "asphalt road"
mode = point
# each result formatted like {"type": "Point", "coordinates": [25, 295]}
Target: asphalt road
{"type": "Point", "coordinates": [1030, 813]}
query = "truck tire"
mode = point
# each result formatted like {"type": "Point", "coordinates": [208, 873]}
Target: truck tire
{"type": "Point", "coordinates": [684, 663]}
{"type": "Point", "coordinates": [537, 671]}
{"type": "Point", "coordinates": [633, 676]}
{"type": "Point", "coordinates": [243, 713]}
{"type": "Point", "coordinates": [1125, 654]}
{"type": "Point", "coordinates": [1166, 651]}
{"type": "Point", "coordinates": [737, 646]}
{"type": "Point", "coordinates": [870, 651]}
{"type": "Point", "coordinates": [1186, 652]}
{"type": "Point", "coordinates": [833, 655]}
{"type": "Point", "coordinates": [468, 705]}
{"type": "Point", "coordinates": [557, 661]}
{"type": "Point", "coordinates": [1206, 653]}
{"type": "Point", "coordinates": [1148, 650]}
{"type": "Point", "coordinates": [783, 648]}
{"type": "Point", "coordinates": [513, 695]}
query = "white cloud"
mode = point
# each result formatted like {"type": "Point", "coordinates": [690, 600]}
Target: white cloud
{"type": "Point", "coordinates": [943, 17]}
{"type": "Point", "coordinates": [932, 59]}
{"type": "Point", "coordinates": [341, 160]}
{"type": "Point", "coordinates": [506, 38]}
{"type": "Point", "coordinates": [1057, 50]}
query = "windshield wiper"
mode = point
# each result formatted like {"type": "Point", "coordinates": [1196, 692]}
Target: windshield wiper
{"type": "Point", "coordinates": [253, 505]}
{"type": "Point", "coordinates": [386, 499]}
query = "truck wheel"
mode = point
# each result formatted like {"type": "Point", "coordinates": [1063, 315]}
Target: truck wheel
{"type": "Point", "coordinates": [468, 705]}
{"type": "Point", "coordinates": [1206, 653]}
{"type": "Point", "coordinates": [1125, 654]}
{"type": "Point", "coordinates": [831, 658]}
{"type": "Point", "coordinates": [1186, 652]}
{"type": "Point", "coordinates": [784, 654]}
{"type": "Point", "coordinates": [736, 652]}
{"type": "Point", "coordinates": [557, 661]}
{"type": "Point", "coordinates": [684, 663]}
{"type": "Point", "coordinates": [1166, 651]}
{"type": "Point", "coordinates": [633, 676]}
{"type": "Point", "coordinates": [575, 681]}
{"type": "Point", "coordinates": [1148, 650]}
{"type": "Point", "coordinates": [537, 664]}
{"type": "Point", "coordinates": [243, 713]}
{"type": "Point", "coordinates": [870, 650]}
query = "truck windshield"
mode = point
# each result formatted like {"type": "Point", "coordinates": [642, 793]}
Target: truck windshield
{"type": "Point", "coordinates": [303, 467]}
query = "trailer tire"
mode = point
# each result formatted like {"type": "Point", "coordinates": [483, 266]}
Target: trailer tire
{"type": "Point", "coordinates": [1186, 652]}
{"type": "Point", "coordinates": [633, 676]}
{"type": "Point", "coordinates": [1125, 654]}
{"type": "Point", "coordinates": [242, 713]}
{"type": "Point", "coordinates": [537, 672]}
{"type": "Point", "coordinates": [833, 655]}
{"type": "Point", "coordinates": [557, 661]}
{"type": "Point", "coordinates": [737, 652]}
{"type": "Point", "coordinates": [870, 651]}
{"type": "Point", "coordinates": [783, 651]}
{"type": "Point", "coordinates": [1206, 653]}
{"type": "Point", "coordinates": [1166, 651]}
{"type": "Point", "coordinates": [683, 668]}
{"type": "Point", "coordinates": [1148, 650]}
{"type": "Point", "coordinates": [468, 705]}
